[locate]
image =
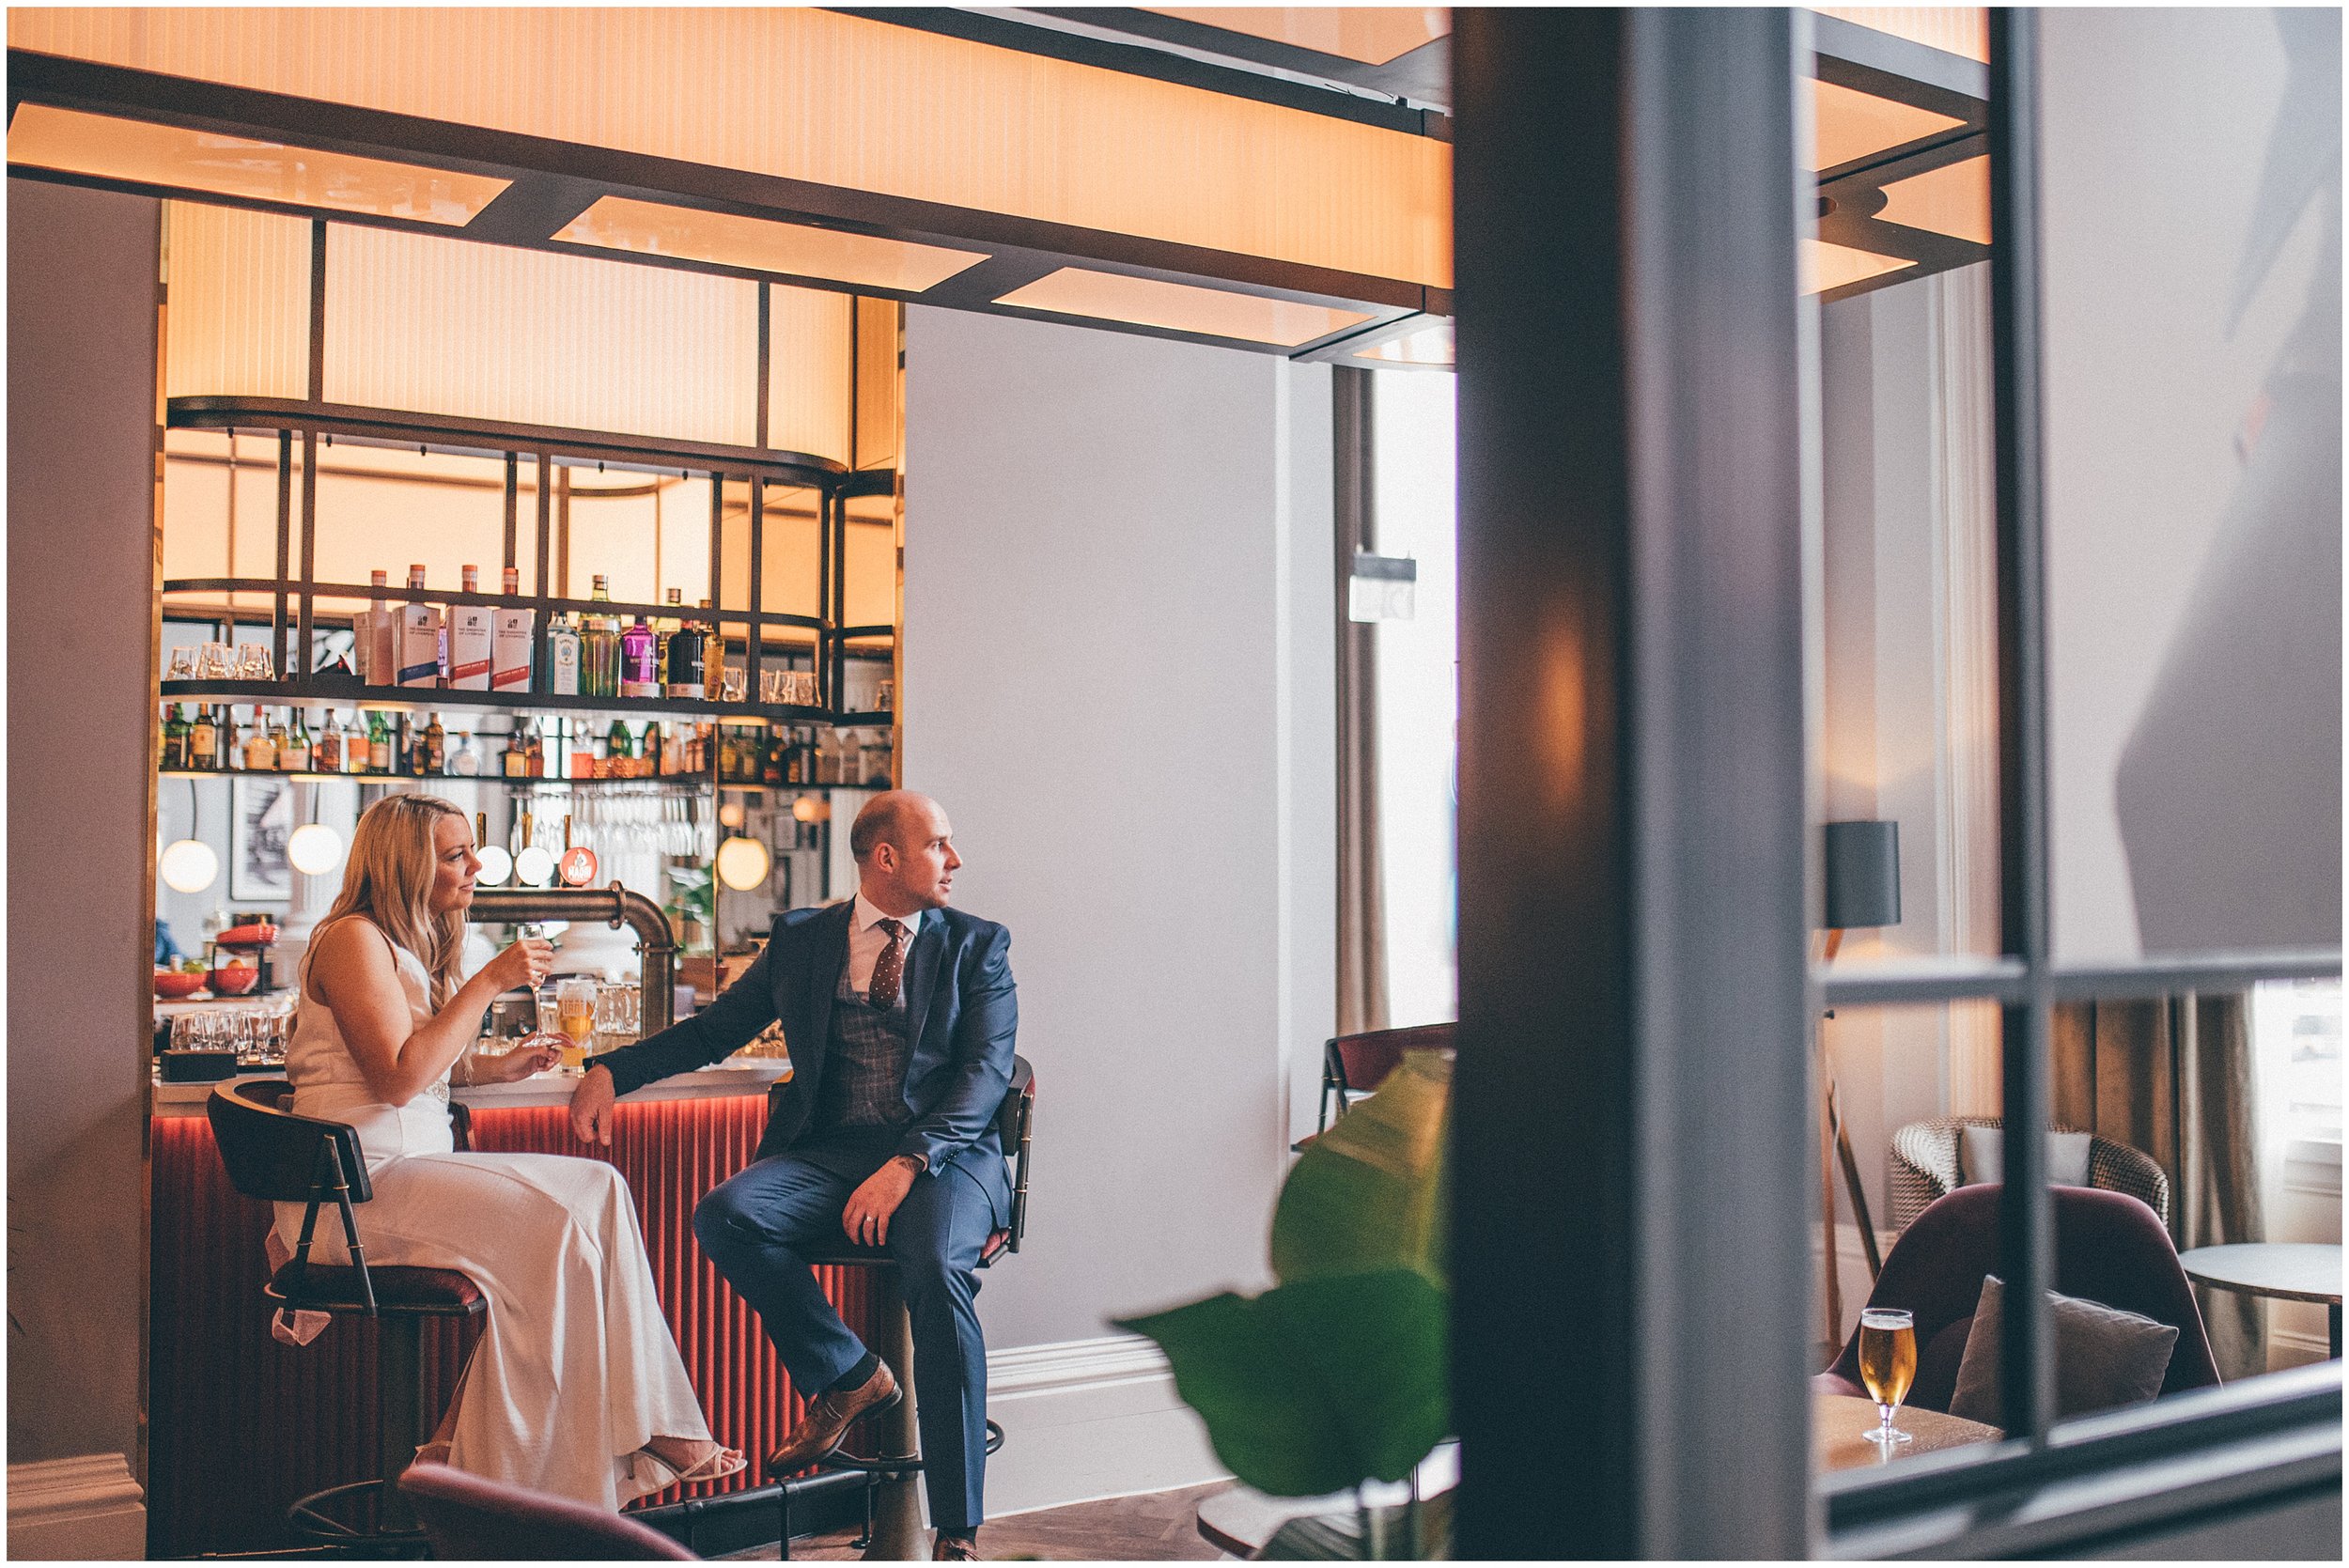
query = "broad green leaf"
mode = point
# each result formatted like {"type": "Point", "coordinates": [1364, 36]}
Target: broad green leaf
{"type": "Point", "coordinates": [1316, 1385]}
{"type": "Point", "coordinates": [1368, 1193]}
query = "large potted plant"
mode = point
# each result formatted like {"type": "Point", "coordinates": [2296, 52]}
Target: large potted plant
{"type": "Point", "coordinates": [1337, 1376]}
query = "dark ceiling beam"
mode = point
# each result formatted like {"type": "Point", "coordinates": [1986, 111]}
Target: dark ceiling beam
{"type": "Point", "coordinates": [1422, 75]}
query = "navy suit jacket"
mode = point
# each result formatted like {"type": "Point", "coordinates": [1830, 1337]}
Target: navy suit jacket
{"type": "Point", "coordinates": [962, 1011]}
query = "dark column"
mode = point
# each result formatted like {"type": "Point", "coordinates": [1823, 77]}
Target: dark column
{"type": "Point", "coordinates": [1631, 1251]}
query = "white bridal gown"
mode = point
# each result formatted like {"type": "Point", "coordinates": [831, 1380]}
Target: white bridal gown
{"type": "Point", "coordinates": [576, 1369]}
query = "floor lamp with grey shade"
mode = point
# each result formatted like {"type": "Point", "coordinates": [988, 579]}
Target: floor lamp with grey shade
{"type": "Point", "coordinates": [1863, 862]}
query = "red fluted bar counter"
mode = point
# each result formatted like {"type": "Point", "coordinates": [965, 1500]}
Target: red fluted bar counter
{"type": "Point", "coordinates": [240, 1425]}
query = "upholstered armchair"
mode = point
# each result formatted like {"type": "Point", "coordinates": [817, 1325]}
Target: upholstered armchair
{"type": "Point", "coordinates": [1926, 1164]}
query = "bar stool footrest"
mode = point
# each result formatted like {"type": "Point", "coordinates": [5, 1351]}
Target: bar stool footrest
{"type": "Point", "coordinates": [311, 1517]}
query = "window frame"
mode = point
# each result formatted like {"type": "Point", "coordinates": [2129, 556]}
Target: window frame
{"type": "Point", "coordinates": [2154, 1465]}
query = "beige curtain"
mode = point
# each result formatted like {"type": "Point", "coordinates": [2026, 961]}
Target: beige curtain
{"type": "Point", "coordinates": [2176, 1079]}
{"type": "Point", "coordinates": [1361, 967]}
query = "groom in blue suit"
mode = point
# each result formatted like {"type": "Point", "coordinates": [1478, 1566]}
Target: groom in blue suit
{"type": "Point", "coordinates": [901, 1015]}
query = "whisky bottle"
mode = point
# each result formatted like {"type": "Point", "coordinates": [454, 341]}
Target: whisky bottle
{"type": "Point", "coordinates": [328, 756]}
{"type": "Point", "coordinates": [433, 748]}
{"type": "Point", "coordinates": [203, 751]}
{"type": "Point", "coordinates": [175, 740]}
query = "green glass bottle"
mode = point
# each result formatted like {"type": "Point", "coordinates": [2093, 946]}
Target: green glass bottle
{"type": "Point", "coordinates": [379, 742]}
{"type": "Point", "coordinates": [175, 740]}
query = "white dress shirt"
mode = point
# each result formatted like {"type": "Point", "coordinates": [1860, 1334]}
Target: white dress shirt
{"type": "Point", "coordinates": [867, 941]}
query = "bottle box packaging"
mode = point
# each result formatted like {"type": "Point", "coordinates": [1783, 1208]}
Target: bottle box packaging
{"type": "Point", "coordinates": [469, 635]}
{"type": "Point", "coordinates": [510, 636]}
{"type": "Point", "coordinates": [420, 644]}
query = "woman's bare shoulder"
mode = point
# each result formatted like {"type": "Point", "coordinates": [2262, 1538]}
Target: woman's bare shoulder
{"type": "Point", "coordinates": [352, 945]}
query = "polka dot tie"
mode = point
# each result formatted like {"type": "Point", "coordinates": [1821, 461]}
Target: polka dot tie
{"type": "Point", "coordinates": [888, 967]}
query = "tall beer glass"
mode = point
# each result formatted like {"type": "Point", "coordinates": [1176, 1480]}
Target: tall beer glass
{"type": "Point", "coordinates": [1888, 1364]}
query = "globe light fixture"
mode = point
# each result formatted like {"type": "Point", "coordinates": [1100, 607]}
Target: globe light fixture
{"type": "Point", "coordinates": [496, 866]}
{"type": "Point", "coordinates": [743, 863]}
{"type": "Point", "coordinates": [189, 865]}
{"type": "Point", "coordinates": [314, 850]}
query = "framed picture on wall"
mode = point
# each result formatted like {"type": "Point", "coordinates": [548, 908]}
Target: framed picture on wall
{"type": "Point", "coordinates": [260, 818]}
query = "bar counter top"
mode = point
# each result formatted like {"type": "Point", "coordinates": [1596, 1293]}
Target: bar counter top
{"type": "Point", "coordinates": [740, 1075]}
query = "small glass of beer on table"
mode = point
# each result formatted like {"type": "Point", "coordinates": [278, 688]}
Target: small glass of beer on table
{"type": "Point", "coordinates": [1888, 1364]}
{"type": "Point", "coordinates": [575, 1019]}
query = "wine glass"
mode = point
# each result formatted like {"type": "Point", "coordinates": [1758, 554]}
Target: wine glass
{"type": "Point", "coordinates": [1888, 1364]}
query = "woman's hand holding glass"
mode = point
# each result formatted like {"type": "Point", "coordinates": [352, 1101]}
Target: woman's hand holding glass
{"type": "Point", "coordinates": [523, 965]}
{"type": "Point", "coordinates": [533, 1054]}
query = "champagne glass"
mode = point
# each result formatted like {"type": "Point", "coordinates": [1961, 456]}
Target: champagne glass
{"type": "Point", "coordinates": [1888, 1364]}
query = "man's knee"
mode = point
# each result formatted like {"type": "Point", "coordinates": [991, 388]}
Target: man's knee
{"type": "Point", "coordinates": [720, 1221]}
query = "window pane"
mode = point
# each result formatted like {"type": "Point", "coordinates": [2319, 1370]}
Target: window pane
{"type": "Point", "coordinates": [1909, 710]}
{"type": "Point", "coordinates": [2192, 320]}
{"type": "Point", "coordinates": [1916, 1104]}
{"type": "Point", "coordinates": [1412, 443]}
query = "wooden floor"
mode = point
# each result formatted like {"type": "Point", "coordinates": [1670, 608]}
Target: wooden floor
{"type": "Point", "coordinates": [1157, 1527]}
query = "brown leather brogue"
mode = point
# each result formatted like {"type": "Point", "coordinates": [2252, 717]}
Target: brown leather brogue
{"type": "Point", "coordinates": [955, 1548]}
{"type": "Point", "coordinates": [828, 1418]}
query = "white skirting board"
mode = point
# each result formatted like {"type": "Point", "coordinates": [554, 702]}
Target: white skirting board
{"type": "Point", "coordinates": [85, 1507]}
{"type": "Point", "coordinates": [1089, 1419]}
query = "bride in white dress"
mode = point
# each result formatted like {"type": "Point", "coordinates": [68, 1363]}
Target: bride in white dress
{"type": "Point", "coordinates": [576, 1388]}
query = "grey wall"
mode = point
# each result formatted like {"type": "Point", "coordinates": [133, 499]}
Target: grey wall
{"type": "Point", "coordinates": [82, 438]}
{"type": "Point", "coordinates": [1118, 678]}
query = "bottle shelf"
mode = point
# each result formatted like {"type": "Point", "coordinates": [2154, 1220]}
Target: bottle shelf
{"type": "Point", "coordinates": [683, 783]}
{"type": "Point", "coordinates": [417, 699]}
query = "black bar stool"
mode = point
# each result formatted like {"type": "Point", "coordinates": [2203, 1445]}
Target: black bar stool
{"type": "Point", "coordinates": [893, 1513]}
{"type": "Point", "coordinates": [273, 1154]}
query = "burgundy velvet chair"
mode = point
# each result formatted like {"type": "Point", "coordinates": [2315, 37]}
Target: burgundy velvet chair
{"type": "Point", "coordinates": [467, 1518]}
{"type": "Point", "coordinates": [2108, 1248]}
{"type": "Point", "coordinates": [1358, 1064]}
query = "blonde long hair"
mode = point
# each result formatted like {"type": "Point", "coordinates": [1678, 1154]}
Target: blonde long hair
{"type": "Point", "coordinates": [388, 878]}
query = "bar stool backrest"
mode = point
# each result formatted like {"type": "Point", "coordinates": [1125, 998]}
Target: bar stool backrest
{"type": "Point", "coordinates": [273, 1154]}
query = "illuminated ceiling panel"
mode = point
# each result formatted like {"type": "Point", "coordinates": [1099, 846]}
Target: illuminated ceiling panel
{"type": "Point", "coordinates": [1953, 29]}
{"type": "Point", "coordinates": [1848, 124]}
{"type": "Point", "coordinates": [1429, 346]}
{"type": "Point", "coordinates": [1826, 265]}
{"type": "Point", "coordinates": [1181, 307]}
{"type": "Point", "coordinates": [1373, 35]}
{"type": "Point", "coordinates": [139, 152]}
{"type": "Point", "coordinates": [1953, 199]}
{"type": "Point", "coordinates": [761, 244]}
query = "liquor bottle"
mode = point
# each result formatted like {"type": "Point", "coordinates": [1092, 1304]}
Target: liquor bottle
{"type": "Point", "coordinates": [619, 749]}
{"type": "Point", "coordinates": [640, 669]}
{"type": "Point", "coordinates": [261, 746]}
{"type": "Point", "coordinates": [464, 762]}
{"type": "Point", "coordinates": [510, 629]}
{"type": "Point", "coordinates": [713, 659]}
{"type": "Point", "coordinates": [370, 635]}
{"type": "Point", "coordinates": [681, 660]}
{"type": "Point", "coordinates": [469, 637]}
{"type": "Point", "coordinates": [293, 753]}
{"type": "Point", "coordinates": [665, 628]}
{"type": "Point", "coordinates": [771, 758]}
{"type": "Point", "coordinates": [328, 756]}
{"type": "Point", "coordinates": [878, 747]}
{"type": "Point", "coordinates": [600, 649]}
{"type": "Point", "coordinates": [422, 638]}
{"type": "Point", "coordinates": [203, 739]}
{"type": "Point", "coordinates": [537, 752]}
{"type": "Point", "coordinates": [175, 740]}
{"type": "Point", "coordinates": [379, 743]}
{"type": "Point", "coordinates": [514, 762]}
{"type": "Point", "coordinates": [433, 748]}
{"type": "Point", "coordinates": [563, 656]}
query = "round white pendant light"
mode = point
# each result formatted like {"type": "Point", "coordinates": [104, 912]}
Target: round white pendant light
{"type": "Point", "coordinates": [189, 865]}
{"type": "Point", "coordinates": [743, 863]}
{"type": "Point", "coordinates": [497, 865]}
{"type": "Point", "coordinates": [314, 850]}
{"type": "Point", "coordinates": [534, 866]}
{"type": "Point", "coordinates": [730, 815]}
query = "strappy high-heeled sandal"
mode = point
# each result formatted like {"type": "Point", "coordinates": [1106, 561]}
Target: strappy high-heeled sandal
{"type": "Point", "coordinates": [717, 1464]}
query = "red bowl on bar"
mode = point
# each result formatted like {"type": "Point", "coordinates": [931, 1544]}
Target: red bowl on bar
{"type": "Point", "coordinates": [233, 981]}
{"type": "Point", "coordinates": [173, 985]}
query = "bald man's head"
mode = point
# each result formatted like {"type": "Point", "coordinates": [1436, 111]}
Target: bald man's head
{"type": "Point", "coordinates": [905, 852]}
